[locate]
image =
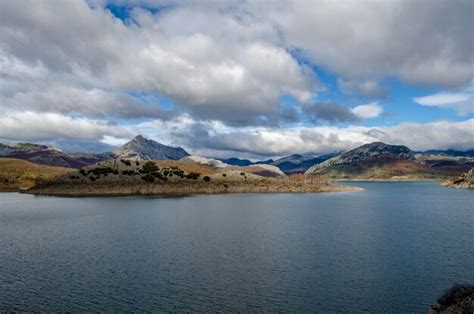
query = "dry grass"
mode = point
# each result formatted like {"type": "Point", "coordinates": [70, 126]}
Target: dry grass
{"type": "Point", "coordinates": [310, 179]}
{"type": "Point", "coordinates": [17, 173]}
{"type": "Point", "coordinates": [188, 167]}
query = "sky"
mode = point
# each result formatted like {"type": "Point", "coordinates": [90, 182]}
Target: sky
{"type": "Point", "coordinates": [250, 79]}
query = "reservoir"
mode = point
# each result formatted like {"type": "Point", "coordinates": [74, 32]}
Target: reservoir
{"type": "Point", "coordinates": [393, 247]}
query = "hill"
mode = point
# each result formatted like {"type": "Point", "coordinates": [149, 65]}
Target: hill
{"type": "Point", "coordinates": [17, 173]}
{"type": "Point", "coordinates": [141, 148]}
{"type": "Point", "coordinates": [170, 177]}
{"type": "Point", "coordinates": [375, 161]}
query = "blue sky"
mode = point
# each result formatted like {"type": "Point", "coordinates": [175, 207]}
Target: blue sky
{"type": "Point", "coordinates": [237, 78]}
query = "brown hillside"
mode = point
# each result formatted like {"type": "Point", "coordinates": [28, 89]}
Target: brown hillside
{"type": "Point", "coordinates": [17, 173]}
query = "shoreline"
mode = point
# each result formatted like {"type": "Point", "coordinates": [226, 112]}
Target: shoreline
{"type": "Point", "coordinates": [179, 190]}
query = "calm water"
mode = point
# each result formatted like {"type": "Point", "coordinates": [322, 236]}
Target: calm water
{"type": "Point", "coordinates": [391, 248]}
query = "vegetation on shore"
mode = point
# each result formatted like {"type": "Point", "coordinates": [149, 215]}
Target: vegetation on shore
{"type": "Point", "coordinates": [126, 177]}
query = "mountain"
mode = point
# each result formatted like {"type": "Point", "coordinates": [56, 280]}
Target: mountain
{"type": "Point", "coordinates": [449, 152]}
{"type": "Point", "coordinates": [141, 148]}
{"type": "Point", "coordinates": [264, 162]}
{"type": "Point", "coordinates": [137, 148]}
{"type": "Point", "coordinates": [290, 164]}
{"type": "Point", "coordinates": [300, 163]}
{"type": "Point", "coordinates": [372, 161]}
{"type": "Point", "coordinates": [236, 161]}
{"type": "Point", "coordinates": [42, 154]}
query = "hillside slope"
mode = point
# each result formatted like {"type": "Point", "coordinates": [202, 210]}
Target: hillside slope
{"type": "Point", "coordinates": [377, 161]}
{"type": "Point", "coordinates": [17, 173]}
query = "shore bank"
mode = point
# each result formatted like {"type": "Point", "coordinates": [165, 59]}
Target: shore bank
{"type": "Point", "coordinates": [188, 188]}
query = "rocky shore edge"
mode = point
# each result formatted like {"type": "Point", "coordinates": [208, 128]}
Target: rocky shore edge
{"type": "Point", "coordinates": [457, 299]}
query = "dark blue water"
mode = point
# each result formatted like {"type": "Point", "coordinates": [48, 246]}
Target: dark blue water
{"type": "Point", "coordinates": [391, 248]}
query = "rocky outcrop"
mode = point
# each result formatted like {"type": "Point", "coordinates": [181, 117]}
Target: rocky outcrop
{"type": "Point", "coordinates": [214, 163]}
{"type": "Point", "coordinates": [457, 299]}
{"type": "Point", "coordinates": [464, 181]}
{"type": "Point", "coordinates": [140, 148]}
{"type": "Point", "coordinates": [258, 169]}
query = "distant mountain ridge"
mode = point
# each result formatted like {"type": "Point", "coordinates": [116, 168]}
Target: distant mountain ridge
{"type": "Point", "coordinates": [449, 152]}
{"type": "Point", "coordinates": [137, 148]}
{"type": "Point", "coordinates": [42, 154]}
{"type": "Point", "coordinates": [369, 161]}
{"type": "Point", "coordinates": [380, 161]}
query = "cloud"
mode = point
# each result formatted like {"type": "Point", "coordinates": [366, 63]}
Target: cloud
{"type": "Point", "coordinates": [368, 111]}
{"type": "Point", "coordinates": [216, 65]}
{"type": "Point", "coordinates": [217, 140]}
{"type": "Point", "coordinates": [369, 41]}
{"type": "Point", "coordinates": [93, 102]}
{"type": "Point", "coordinates": [364, 88]}
{"type": "Point", "coordinates": [329, 111]}
{"type": "Point", "coordinates": [69, 69]}
{"type": "Point", "coordinates": [463, 103]}
{"type": "Point", "coordinates": [31, 126]}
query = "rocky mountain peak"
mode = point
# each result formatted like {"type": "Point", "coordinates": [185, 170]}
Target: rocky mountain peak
{"type": "Point", "coordinates": [142, 148]}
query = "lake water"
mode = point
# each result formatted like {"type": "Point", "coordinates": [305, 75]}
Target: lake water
{"type": "Point", "coordinates": [391, 248]}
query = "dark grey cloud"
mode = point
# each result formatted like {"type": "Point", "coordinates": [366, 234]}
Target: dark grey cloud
{"type": "Point", "coordinates": [329, 111]}
{"type": "Point", "coordinates": [94, 103]}
{"type": "Point", "coordinates": [370, 89]}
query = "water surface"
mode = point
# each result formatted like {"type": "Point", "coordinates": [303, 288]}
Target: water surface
{"type": "Point", "coordinates": [391, 248]}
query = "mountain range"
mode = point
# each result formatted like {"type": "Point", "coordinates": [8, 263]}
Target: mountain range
{"type": "Point", "coordinates": [380, 161]}
{"type": "Point", "coordinates": [138, 148]}
{"type": "Point", "coordinates": [374, 160]}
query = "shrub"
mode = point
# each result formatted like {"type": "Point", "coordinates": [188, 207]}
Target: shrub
{"type": "Point", "coordinates": [242, 173]}
{"type": "Point", "coordinates": [83, 172]}
{"type": "Point", "coordinates": [148, 178]}
{"type": "Point", "coordinates": [207, 178]}
{"type": "Point", "coordinates": [126, 162]}
{"type": "Point", "coordinates": [150, 166]}
{"type": "Point", "coordinates": [224, 175]}
{"type": "Point", "coordinates": [455, 294]}
{"type": "Point", "coordinates": [193, 175]}
{"type": "Point", "coordinates": [99, 171]}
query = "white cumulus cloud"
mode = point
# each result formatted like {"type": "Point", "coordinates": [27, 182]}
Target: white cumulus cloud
{"type": "Point", "coordinates": [368, 111]}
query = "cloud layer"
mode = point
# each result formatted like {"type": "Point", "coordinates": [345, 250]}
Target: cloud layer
{"type": "Point", "coordinates": [247, 72]}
